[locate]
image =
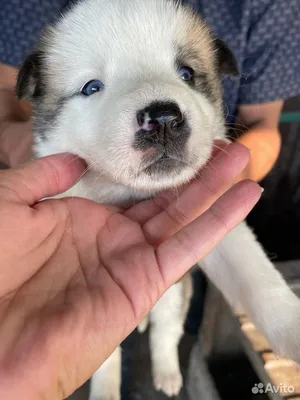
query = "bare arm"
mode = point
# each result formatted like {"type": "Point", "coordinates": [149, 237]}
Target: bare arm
{"type": "Point", "coordinates": [262, 137]}
{"type": "Point", "coordinates": [15, 124]}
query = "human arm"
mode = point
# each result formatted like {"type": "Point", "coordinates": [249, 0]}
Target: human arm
{"type": "Point", "coordinates": [270, 74]}
{"type": "Point", "coordinates": [261, 135]}
{"type": "Point", "coordinates": [15, 123]}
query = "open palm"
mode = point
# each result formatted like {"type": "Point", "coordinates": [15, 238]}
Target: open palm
{"type": "Point", "coordinates": [76, 277]}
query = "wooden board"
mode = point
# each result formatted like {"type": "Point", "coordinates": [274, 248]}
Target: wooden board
{"type": "Point", "coordinates": [284, 373]}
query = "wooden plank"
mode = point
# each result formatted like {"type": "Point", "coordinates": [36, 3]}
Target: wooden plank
{"type": "Point", "coordinates": [281, 373]}
{"type": "Point", "coordinates": [258, 341]}
{"type": "Point", "coordinates": [284, 373]}
{"type": "Point", "coordinates": [293, 398]}
{"type": "Point", "coordinates": [268, 356]}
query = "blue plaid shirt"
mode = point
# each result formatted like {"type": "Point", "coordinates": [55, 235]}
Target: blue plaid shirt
{"type": "Point", "coordinates": [263, 34]}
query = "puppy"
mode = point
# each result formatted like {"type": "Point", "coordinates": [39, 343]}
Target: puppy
{"type": "Point", "coordinates": [134, 88]}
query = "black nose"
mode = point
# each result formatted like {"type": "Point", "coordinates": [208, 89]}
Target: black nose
{"type": "Point", "coordinates": [159, 113]}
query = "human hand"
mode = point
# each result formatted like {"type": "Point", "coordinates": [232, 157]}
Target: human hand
{"type": "Point", "coordinates": [77, 277]}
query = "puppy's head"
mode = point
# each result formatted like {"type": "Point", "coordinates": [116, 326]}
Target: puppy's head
{"type": "Point", "coordinates": [131, 86]}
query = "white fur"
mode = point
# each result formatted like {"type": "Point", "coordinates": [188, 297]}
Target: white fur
{"type": "Point", "coordinates": [106, 382]}
{"type": "Point", "coordinates": [167, 320]}
{"type": "Point", "coordinates": [129, 46]}
{"type": "Point", "coordinates": [134, 57]}
{"type": "Point", "coordinates": [241, 270]}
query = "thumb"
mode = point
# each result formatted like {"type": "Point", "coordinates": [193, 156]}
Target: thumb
{"type": "Point", "coordinates": [44, 177]}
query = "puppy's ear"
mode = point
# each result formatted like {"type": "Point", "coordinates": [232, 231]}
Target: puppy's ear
{"type": "Point", "coordinates": [29, 82]}
{"type": "Point", "coordinates": [227, 63]}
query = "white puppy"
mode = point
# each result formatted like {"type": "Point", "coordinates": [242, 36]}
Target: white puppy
{"type": "Point", "coordinates": [133, 87]}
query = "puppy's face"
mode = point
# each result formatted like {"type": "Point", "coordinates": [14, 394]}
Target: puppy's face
{"type": "Point", "coordinates": [131, 86]}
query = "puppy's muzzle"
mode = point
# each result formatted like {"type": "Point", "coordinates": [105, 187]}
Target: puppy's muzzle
{"type": "Point", "coordinates": [160, 114]}
{"type": "Point", "coordinates": [162, 126]}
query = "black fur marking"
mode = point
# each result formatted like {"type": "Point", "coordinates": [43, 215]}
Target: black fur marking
{"type": "Point", "coordinates": [45, 117]}
{"type": "Point", "coordinates": [30, 83]}
{"type": "Point", "coordinates": [201, 82]}
{"type": "Point", "coordinates": [226, 61]}
{"type": "Point", "coordinates": [165, 166]}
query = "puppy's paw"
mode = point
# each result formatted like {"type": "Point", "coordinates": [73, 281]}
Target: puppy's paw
{"type": "Point", "coordinates": [169, 382]}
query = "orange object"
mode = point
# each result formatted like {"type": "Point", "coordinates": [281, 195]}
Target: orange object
{"type": "Point", "coordinates": [265, 145]}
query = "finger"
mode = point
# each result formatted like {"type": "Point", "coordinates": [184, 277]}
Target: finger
{"type": "Point", "coordinates": [213, 181]}
{"type": "Point", "coordinates": [147, 209]}
{"type": "Point", "coordinates": [218, 146]}
{"type": "Point", "coordinates": [191, 244]}
{"type": "Point", "coordinates": [45, 177]}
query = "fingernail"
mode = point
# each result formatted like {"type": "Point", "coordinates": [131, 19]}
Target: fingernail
{"type": "Point", "coordinates": [262, 189]}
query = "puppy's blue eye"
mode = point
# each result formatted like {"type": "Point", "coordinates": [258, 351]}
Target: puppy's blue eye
{"type": "Point", "coordinates": [92, 87]}
{"type": "Point", "coordinates": [186, 73]}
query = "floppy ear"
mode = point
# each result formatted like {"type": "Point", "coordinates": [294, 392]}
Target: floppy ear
{"type": "Point", "coordinates": [226, 60]}
{"type": "Point", "coordinates": [29, 83]}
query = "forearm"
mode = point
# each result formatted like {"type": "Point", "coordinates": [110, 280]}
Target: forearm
{"type": "Point", "coordinates": [265, 146]}
{"type": "Point", "coordinates": [15, 142]}
{"type": "Point", "coordinates": [261, 135]}
{"type": "Point", "coordinates": [15, 126]}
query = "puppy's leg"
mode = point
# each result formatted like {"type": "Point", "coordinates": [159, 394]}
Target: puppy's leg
{"type": "Point", "coordinates": [166, 329]}
{"type": "Point", "coordinates": [243, 273]}
{"type": "Point", "coordinates": [106, 382]}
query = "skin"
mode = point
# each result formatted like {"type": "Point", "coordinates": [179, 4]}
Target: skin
{"type": "Point", "coordinates": [261, 135]}
{"type": "Point", "coordinates": [77, 277]}
{"type": "Point", "coordinates": [259, 124]}
{"type": "Point", "coordinates": [15, 124]}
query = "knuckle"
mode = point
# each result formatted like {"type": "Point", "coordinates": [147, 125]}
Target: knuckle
{"type": "Point", "coordinates": [218, 216]}
{"type": "Point", "coordinates": [177, 216]}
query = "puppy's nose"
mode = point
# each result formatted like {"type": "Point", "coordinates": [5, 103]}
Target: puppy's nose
{"type": "Point", "coordinates": [159, 113]}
